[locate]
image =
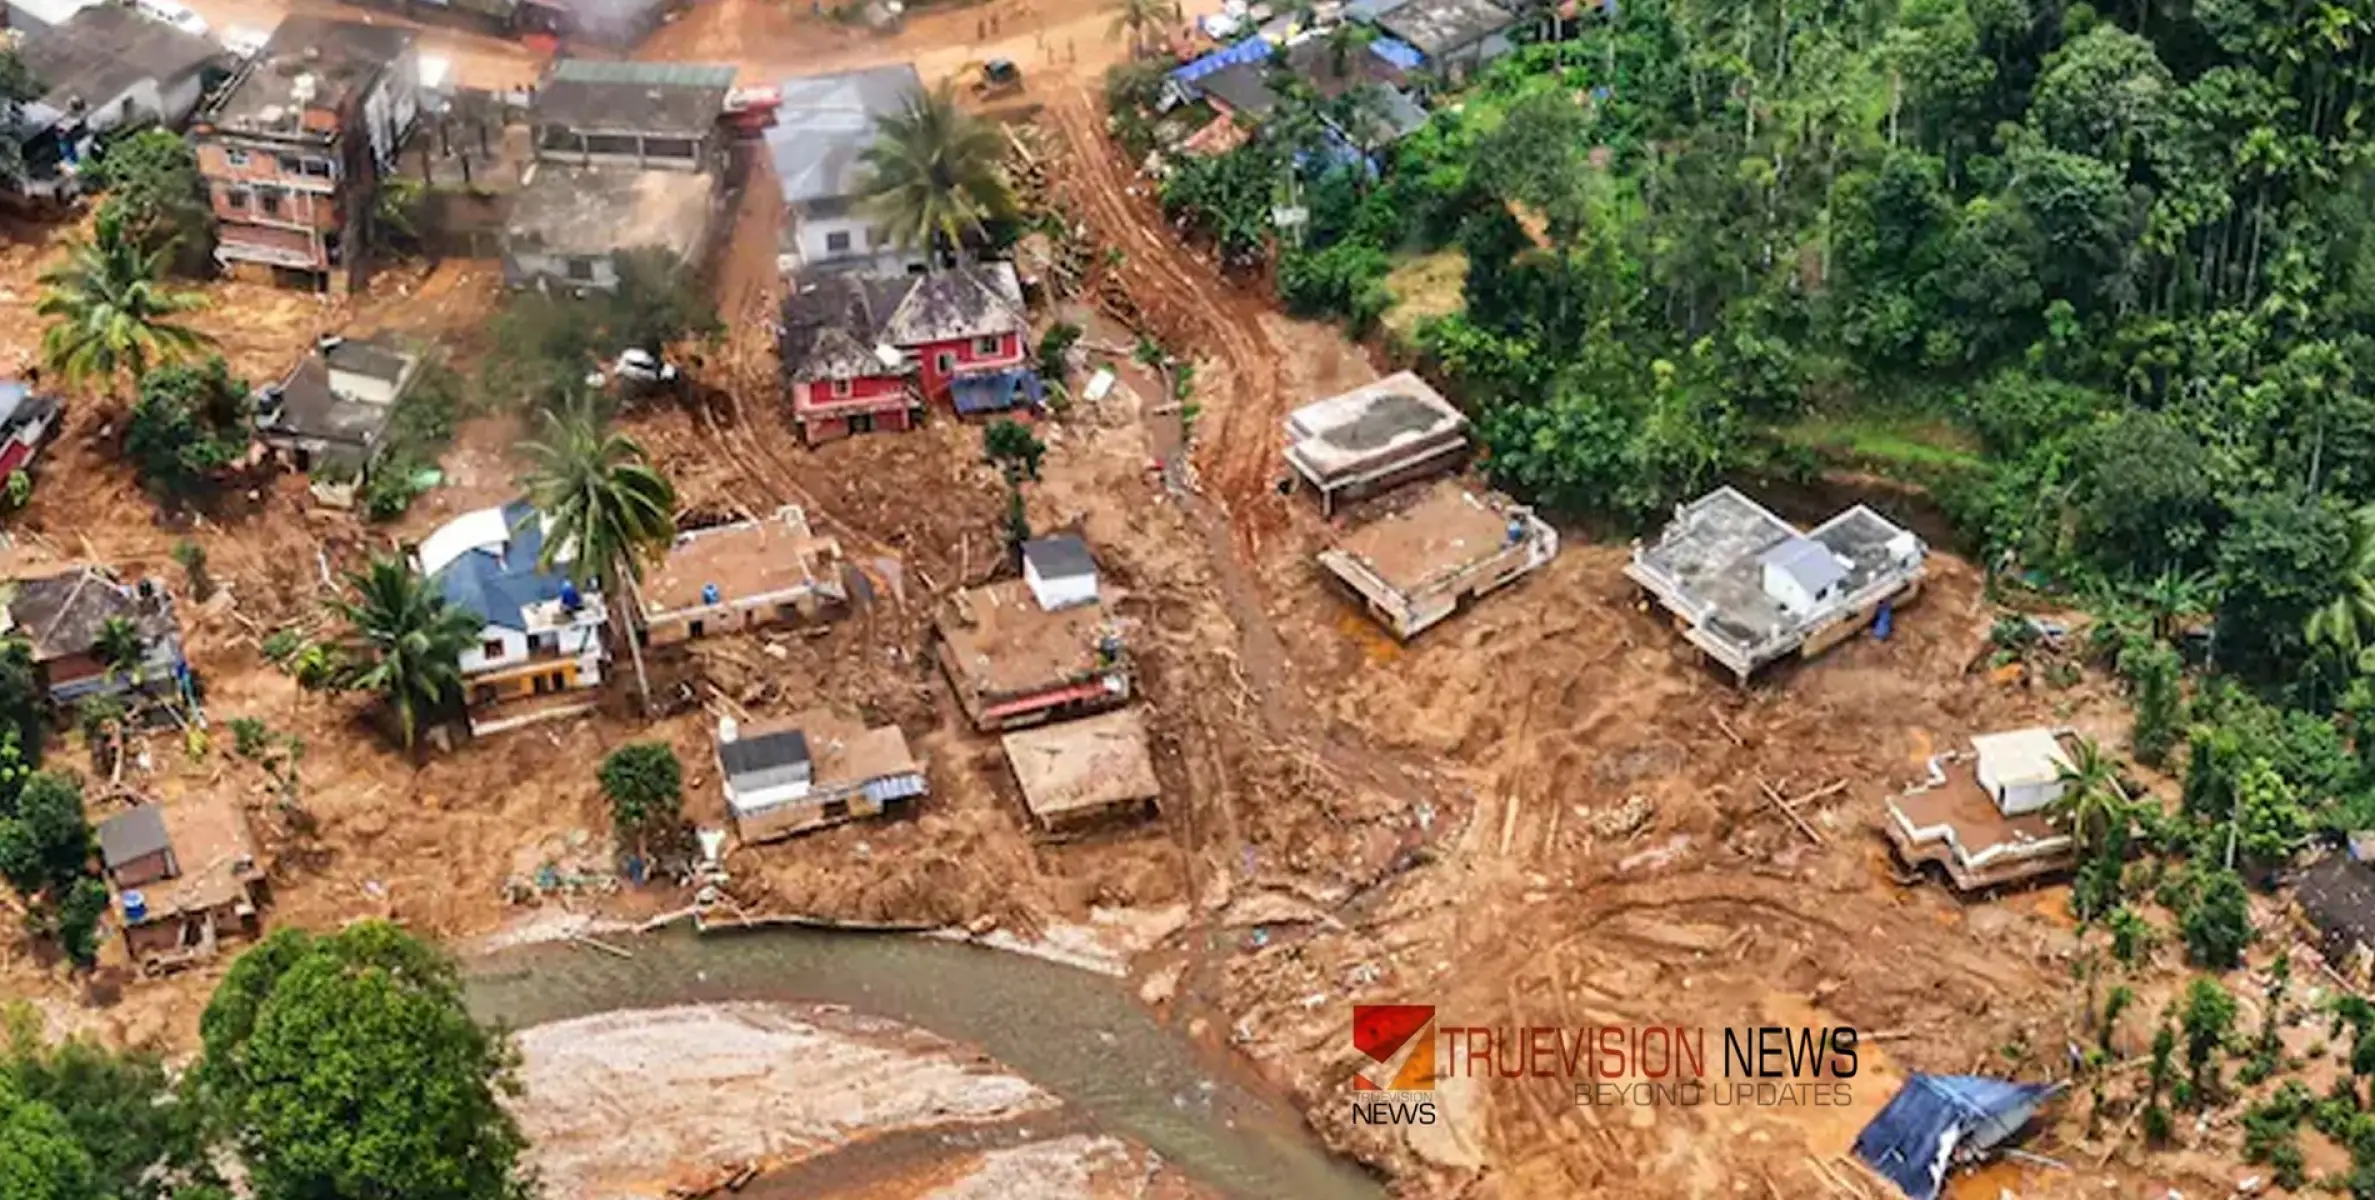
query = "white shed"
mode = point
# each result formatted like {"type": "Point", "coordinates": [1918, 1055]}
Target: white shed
{"type": "Point", "coordinates": [1060, 572]}
{"type": "Point", "coordinates": [2022, 769]}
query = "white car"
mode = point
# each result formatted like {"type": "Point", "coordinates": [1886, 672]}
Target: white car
{"type": "Point", "coordinates": [174, 13]}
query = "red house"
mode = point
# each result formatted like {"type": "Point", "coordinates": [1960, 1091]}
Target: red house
{"type": "Point", "coordinates": [861, 354]}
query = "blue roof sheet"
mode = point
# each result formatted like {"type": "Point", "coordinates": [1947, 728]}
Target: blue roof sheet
{"type": "Point", "coordinates": [498, 586]}
{"type": "Point", "coordinates": [1398, 53]}
{"type": "Point", "coordinates": [1252, 49]}
{"type": "Point", "coordinates": [994, 391]}
{"type": "Point", "coordinates": [1916, 1138]}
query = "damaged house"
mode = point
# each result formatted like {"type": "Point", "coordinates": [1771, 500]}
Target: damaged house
{"type": "Point", "coordinates": [863, 353]}
{"type": "Point", "coordinates": [814, 770]}
{"type": "Point", "coordinates": [1374, 438]}
{"type": "Point", "coordinates": [1985, 817]}
{"type": "Point", "coordinates": [101, 70]}
{"type": "Point", "coordinates": [61, 616]}
{"type": "Point", "coordinates": [1045, 647]}
{"type": "Point", "coordinates": [742, 575]}
{"type": "Point", "coordinates": [1748, 588]}
{"type": "Point", "coordinates": [628, 156]}
{"type": "Point", "coordinates": [185, 876]}
{"type": "Point", "coordinates": [1079, 773]}
{"type": "Point", "coordinates": [1413, 567]}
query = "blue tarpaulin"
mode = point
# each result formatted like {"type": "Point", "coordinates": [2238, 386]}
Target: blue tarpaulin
{"type": "Point", "coordinates": [1402, 55]}
{"type": "Point", "coordinates": [995, 391]}
{"type": "Point", "coordinates": [1252, 49]}
{"type": "Point", "coordinates": [1937, 1120]}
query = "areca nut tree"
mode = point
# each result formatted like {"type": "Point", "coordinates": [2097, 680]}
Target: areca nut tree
{"type": "Point", "coordinates": [406, 641]}
{"type": "Point", "coordinates": [110, 310]}
{"type": "Point", "coordinates": [607, 510]}
{"type": "Point", "coordinates": [2346, 623]}
{"type": "Point", "coordinates": [935, 173]}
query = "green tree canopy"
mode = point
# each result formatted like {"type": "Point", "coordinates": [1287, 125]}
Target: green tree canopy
{"type": "Point", "coordinates": [109, 313]}
{"type": "Point", "coordinates": [187, 426]}
{"type": "Point", "coordinates": [607, 508]}
{"type": "Point", "coordinates": [645, 785]}
{"type": "Point", "coordinates": [934, 175]}
{"type": "Point", "coordinates": [151, 180]}
{"type": "Point", "coordinates": [345, 1064]}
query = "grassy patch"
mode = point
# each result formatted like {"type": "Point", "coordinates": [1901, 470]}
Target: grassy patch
{"type": "Point", "coordinates": [1889, 443]}
{"type": "Point", "coordinates": [1429, 285]}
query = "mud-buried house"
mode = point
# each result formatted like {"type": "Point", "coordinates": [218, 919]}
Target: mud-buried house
{"type": "Point", "coordinates": [1413, 567]}
{"type": "Point", "coordinates": [185, 876]}
{"type": "Point", "coordinates": [1022, 651]}
{"type": "Point", "coordinates": [332, 408]}
{"type": "Point", "coordinates": [1077, 773]}
{"type": "Point", "coordinates": [743, 575]}
{"type": "Point", "coordinates": [1985, 818]}
{"type": "Point", "coordinates": [292, 149]}
{"type": "Point", "coordinates": [1374, 438]}
{"type": "Point", "coordinates": [61, 617]}
{"type": "Point", "coordinates": [1748, 588]}
{"type": "Point", "coordinates": [814, 770]}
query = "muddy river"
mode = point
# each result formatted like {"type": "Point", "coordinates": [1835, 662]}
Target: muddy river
{"type": "Point", "coordinates": [1079, 1035]}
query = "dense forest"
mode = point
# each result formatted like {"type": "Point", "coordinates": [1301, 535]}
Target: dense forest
{"type": "Point", "coordinates": [2101, 280]}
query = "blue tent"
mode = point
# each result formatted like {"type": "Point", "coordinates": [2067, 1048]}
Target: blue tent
{"type": "Point", "coordinates": [1937, 1121]}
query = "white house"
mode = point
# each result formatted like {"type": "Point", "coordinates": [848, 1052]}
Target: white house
{"type": "Point", "coordinates": [543, 632]}
{"type": "Point", "coordinates": [1801, 576]}
{"type": "Point", "coordinates": [1060, 572]}
{"type": "Point", "coordinates": [822, 129]}
{"type": "Point", "coordinates": [2021, 770]}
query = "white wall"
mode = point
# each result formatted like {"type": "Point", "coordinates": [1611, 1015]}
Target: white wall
{"type": "Point", "coordinates": [1060, 593]}
{"type": "Point", "coordinates": [1783, 588]}
{"type": "Point", "coordinates": [582, 642]}
{"type": "Point", "coordinates": [865, 243]}
{"type": "Point", "coordinates": [367, 388]}
{"type": "Point", "coordinates": [524, 267]}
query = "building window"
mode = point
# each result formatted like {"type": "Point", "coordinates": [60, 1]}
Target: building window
{"type": "Point", "coordinates": [946, 361]}
{"type": "Point", "coordinates": [697, 628]}
{"type": "Point", "coordinates": [837, 242]}
{"type": "Point", "coordinates": [986, 347]}
{"type": "Point", "coordinates": [492, 650]}
{"type": "Point", "coordinates": [841, 387]}
{"type": "Point", "coordinates": [235, 156]}
{"type": "Point", "coordinates": [318, 168]}
{"type": "Point", "coordinates": [235, 198]}
{"type": "Point", "coordinates": [683, 148]}
{"type": "Point", "coordinates": [269, 202]}
{"type": "Point", "coordinates": [580, 269]}
{"type": "Point", "coordinates": [289, 164]}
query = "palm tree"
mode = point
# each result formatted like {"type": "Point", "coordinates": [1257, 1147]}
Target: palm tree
{"type": "Point", "coordinates": [2091, 804]}
{"type": "Point", "coordinates": [1139, 16]}
{"type": "Point", "coordinates": [120, 648]}
{"type": "Point", "coordinates": [2345, 623]}
{"type": "Point", "coordinates": [409, 641]}
{"type": "Point", "coordinates": [2172, 596]}
{"type": "Point", "coordinates": [607, 509]}
{"type": "Point", "coordinates": [934, 174]}
{"type": "Point", "coordinates": [110, 311]}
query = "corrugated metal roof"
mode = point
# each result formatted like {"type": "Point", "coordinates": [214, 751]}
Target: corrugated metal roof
{"type": "Point", "coordinates": [659, 74]}
{"type": "Point", "coordinates": [1935, 1118]}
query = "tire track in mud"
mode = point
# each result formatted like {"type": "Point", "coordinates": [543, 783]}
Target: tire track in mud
{"type": "Point", "coordinates": [1181, 296]}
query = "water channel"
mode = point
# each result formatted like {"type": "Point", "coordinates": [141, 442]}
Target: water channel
{"type": "Point", "coordinates": [1079, 1035]}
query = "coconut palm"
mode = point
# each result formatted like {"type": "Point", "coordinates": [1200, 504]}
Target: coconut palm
{"type": "Point", "coordinates": [2346, 623]}
{"type": "Point", "coordinates": [1138, 17]}
{"type": "Point", "coordinates": [934, 174]}
{"type": "Point", "coordinates": [109, 310]}
{"type": "Point", "coordinates": [406, 641]}
{"type": "Point", "coordinates": [608, 510]}
{"type": "Point", "coordinates": [119, 647]}
{"type": "Point", "coordinates": [2091, 804]}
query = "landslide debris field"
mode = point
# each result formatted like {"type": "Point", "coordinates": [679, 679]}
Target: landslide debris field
{"type": "Point", "coordinates": [1543, 812]}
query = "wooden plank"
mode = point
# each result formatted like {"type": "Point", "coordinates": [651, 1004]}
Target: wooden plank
{"type": "Point", "coordinates": [1782, 806]}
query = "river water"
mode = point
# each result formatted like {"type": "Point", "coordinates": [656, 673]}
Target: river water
{"type": "Point", "coordinates": [1080, 1036]}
